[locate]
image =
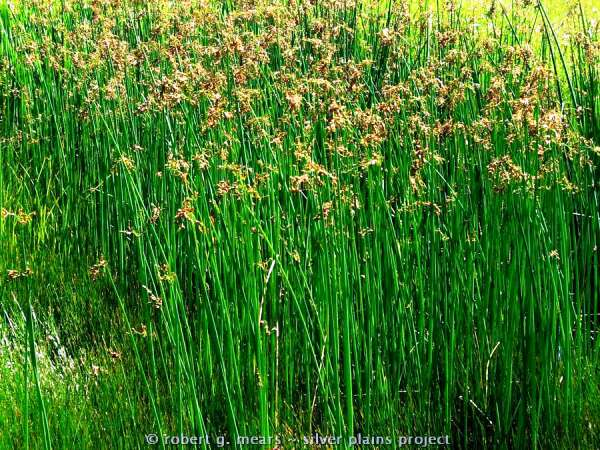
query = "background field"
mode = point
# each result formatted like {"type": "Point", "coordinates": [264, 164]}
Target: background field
{"type": "Point", "coordinates": [268, 218]}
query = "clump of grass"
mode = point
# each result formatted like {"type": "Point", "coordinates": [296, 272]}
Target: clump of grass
{"type": "Point", "coordinates": [279, 218]}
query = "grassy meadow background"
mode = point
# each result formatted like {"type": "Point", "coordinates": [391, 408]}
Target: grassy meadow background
{"type": "Point", "coordinates": [281, 218]}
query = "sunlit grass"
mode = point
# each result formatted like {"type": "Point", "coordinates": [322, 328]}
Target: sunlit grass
{"type": "Point", "coordinates": [286, 218]}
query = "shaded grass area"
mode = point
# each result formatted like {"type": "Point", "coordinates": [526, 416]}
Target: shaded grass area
{"type": "Point", "coordinates": [258, 218]}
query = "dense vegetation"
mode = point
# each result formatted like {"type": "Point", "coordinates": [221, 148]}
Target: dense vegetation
{"type": "Point", "coordinates": [278, 218]}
